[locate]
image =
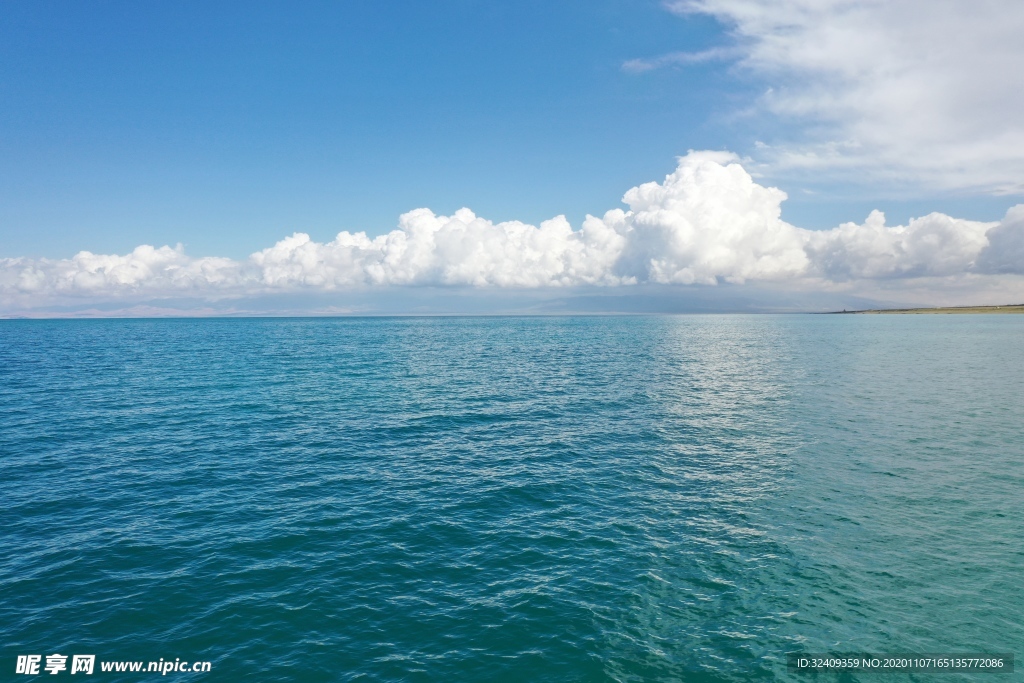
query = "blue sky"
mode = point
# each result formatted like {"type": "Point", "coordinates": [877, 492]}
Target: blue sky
{"type": "Point", "coordinates": [228, 126]}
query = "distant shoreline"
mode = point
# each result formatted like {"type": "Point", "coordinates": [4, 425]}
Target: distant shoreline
{"type": "Point", "coordinates": [1012, 308]}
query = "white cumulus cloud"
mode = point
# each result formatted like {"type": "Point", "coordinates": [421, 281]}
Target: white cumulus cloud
{"type": "Point", "coordinates": [1005, 251]}
{"type": "Point", "coordinates": [707, 223]}
{"type": "Point", "coordinates": [146, 268]}
{"type": "Point", "coordinates": [934, 245]}
{"type": "Point", "coordinates": [461, 249]}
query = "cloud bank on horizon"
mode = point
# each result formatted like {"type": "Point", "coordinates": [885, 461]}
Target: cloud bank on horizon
{"type": "Point", "coordinates": [920, 92]}
{"type": "Point", "coordinates": [708, 223]}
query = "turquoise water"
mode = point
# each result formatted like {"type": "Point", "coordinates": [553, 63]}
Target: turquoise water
{"type": "Point", "coordinates": [511, 499]}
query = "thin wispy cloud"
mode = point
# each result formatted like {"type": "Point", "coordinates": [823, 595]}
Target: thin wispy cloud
{"type": "Point", "coordinates": [681, 59]}
{"type": "Point", "coordinates": [707, 223]}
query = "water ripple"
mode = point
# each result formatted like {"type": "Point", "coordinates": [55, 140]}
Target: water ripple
{"type": "Point", "coordinates": [558, 499]}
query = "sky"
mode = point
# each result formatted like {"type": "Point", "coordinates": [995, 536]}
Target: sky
{"type": "Point", "coordinates": [349, 157]}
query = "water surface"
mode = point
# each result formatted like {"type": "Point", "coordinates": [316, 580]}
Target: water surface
{"type": "Point", "coordinates": [511, 499]}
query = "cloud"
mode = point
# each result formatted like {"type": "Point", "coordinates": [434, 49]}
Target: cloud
{"type": "Point", "coordinates": [461, 249]}
{"type": "Point", "coordinates": [145, 269]}
{"type": "Point", "coordinates": [680, 59]}
{"type": "Point", "coordinates": [708, 223]}
{"type": "Point", "coordinates": [1005, 250]}
{"type": "Point", "coordinates": [935, 245]}
{"type": "Point", "coordinates": [925, 92]}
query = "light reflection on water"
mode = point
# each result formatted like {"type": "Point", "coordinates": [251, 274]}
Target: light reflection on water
{"type": "Point", "coordinates": [604, 498]}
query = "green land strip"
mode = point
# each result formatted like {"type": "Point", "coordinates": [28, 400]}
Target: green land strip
{"type": "Point", "coordinates": [1013, 308]}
